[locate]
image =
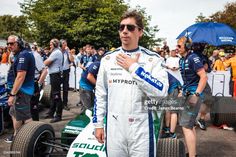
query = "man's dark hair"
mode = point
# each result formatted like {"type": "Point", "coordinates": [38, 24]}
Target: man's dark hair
{"type": "Point", "coordinates": [133, 14]}
{"type": "Point", "coordinates": [101, 49]}
{"type": "Point", "coordinates": [55, 42]}
{"type": "Point", "coordinates": [198, 47]}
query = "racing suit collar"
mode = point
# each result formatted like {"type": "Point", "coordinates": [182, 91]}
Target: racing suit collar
{"type": "Point", "coordinates": [130, 51]}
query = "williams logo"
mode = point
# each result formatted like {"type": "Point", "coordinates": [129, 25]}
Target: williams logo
{"type": "Point", "coordinates": [122, 81]}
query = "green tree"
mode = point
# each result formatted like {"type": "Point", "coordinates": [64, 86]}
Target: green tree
{"type": "Point", "coordinates": [227, 16]}
{"type": "Point", "coordinates": [80, 21]}
{"type": "Point", "coordinates": [14, 25]}
{"type": "Point", "coordinates": [148, 40]}
{"type": "Point", "coordinates": [201, 18]}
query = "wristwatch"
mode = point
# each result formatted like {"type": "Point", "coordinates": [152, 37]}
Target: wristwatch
{"type": "Point", "coordinates": [197, 94]}
{"type": "Point", "coordinates": [12, 94]}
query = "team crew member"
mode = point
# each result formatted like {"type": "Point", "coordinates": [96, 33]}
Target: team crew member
{"type": "Point", "coordinates": [198, 49]}
{"type": "Point", "coordinates": [54, 63]}
{"type": "Point", "coordinates": [87, 85]}
{"type": "Point", "coordinates": [195, 79]}
{"type": "Point", "coordinates": [40, 75]}
{"type": "Point", "coordinates": [68, 58]}
{"type": "Point", "coordinates": [87, 59]}
{"type": "Point", "coordinates": [22, 71]}
{"type": "Point", "coordinates": [125, 76]}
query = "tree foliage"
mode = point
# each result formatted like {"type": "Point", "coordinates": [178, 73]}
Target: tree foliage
{"type": "Point", "coordinates": [80, 21]}
{"type": "Point", "coordinates": [227, 16]}
{"type": "Point", "coordinates": [201, 18]}
{"type": "Point", "coordinates": [14, 25]}
{"type": "Point", "coordinates": [148, 40]}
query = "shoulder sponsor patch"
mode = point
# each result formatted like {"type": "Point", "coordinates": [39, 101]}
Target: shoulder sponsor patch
{"type": "Point", "coordinates": [196, 59]}
{"type": "Point", "coordinates": [21, 60]}
{"type": "Point", "coordinates": [95, 67]}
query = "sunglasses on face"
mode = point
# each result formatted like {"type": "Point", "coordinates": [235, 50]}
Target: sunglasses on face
{"type": "Point", "coordinates": [130, 27]}
{"type": "Point", "coordinates": [11, 43]}
{"type": "Point", "coordinates": [179, 46]}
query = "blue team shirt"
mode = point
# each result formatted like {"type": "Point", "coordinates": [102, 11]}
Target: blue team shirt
{"type": "Point", "coordinates": [204, 60]}
{"type": "Point", "coordinates": [10, 78]}
{"type": "Point", "coordinates": [24, 61]}
{"type": "Point", "coordinates": [189, 67]}
{"type": "Point", "coordinates": [87, 60]}
{"type": "Point", "coordinates": [84, 82]}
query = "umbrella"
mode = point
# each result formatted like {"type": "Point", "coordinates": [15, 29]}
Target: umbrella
{"type": "Point", "coordinates": [212, 33]}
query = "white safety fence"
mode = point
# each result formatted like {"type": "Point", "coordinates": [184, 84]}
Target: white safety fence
{"type": "Point", "coordinates": [219, 82]}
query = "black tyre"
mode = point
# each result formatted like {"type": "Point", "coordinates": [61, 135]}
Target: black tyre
{"type": "Point", "coordinates": [223, 118]}
{"type": "Point", "coordinates": [46, 99]}
{"type": "Point", "coordinates": [28, 140]}
{"type": "Point", "coordinates": [170, 148]}
{"type": "Point", "coordinates": [223, 111]}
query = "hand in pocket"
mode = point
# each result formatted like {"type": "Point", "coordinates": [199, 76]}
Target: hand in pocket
{"type": "Point", "coordinates": [193, 99]}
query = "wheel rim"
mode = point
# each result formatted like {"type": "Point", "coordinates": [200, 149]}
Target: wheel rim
{"type": "Point", "coordinates": [39, 148]}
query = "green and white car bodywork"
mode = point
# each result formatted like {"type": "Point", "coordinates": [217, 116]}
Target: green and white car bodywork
{"type": "Point", "coordinates": [85, 142]}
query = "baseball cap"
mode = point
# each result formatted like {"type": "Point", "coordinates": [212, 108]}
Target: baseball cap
{"type": "Point", "coordinates": [221, 54]}
{"type": "Point", "coordinates": [35, 44]}
{"type": "Point", "coordinates": [112, 49]}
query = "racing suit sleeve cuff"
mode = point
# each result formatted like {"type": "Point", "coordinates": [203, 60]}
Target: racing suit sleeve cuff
{"type": "Point", "coordinates": [97, 125]}
{"type": "Point", "coordinates": [133, 67]}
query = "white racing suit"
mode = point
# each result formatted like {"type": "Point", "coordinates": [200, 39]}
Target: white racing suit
{"type": "Point", "coordinates": [129, 126]}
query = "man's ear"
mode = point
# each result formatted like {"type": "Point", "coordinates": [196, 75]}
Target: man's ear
{"type": "Point", "coordinates": [140, 33]}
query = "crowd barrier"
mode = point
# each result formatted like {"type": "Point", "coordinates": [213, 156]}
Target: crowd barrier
{"type": "Point", "coordinates": [219, 82]}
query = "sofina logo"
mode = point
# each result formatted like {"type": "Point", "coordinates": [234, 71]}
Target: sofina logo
{"type": "Point", "coordinates": [89, 146]}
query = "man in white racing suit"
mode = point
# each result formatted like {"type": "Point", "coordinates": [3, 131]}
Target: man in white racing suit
{"type": "Point", "coordinates": [126, 77]}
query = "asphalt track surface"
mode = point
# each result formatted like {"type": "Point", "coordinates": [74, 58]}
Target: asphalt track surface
{"type": "Point", "coordinates": [213, 142]}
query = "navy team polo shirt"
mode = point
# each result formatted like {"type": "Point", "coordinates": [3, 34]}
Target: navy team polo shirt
{"type": "Point", "coordinates": [189, 67]}
{"type": "Point", "coordinates": [24, 61]}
